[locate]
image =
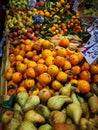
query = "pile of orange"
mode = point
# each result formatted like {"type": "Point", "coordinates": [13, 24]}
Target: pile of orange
{"type": "Point", "coordinates": [41, 67]}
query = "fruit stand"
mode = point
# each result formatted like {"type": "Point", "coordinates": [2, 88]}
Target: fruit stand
{"type": "Point", "coordinates": [46, 82]}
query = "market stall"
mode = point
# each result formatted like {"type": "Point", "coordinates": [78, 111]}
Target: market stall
{"type": "Point", "coordinates": [50, 70]}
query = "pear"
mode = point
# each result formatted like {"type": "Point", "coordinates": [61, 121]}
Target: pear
{"type": "Point", "coordinates": [57, 101]}
{"type": "Point", "coordinates": [22, 98]}
{"type": "Point", "coordinates": [13, 125]}
{"type": "Point", "coordinates": [17, 107]}
{"type": "Point", "coordinates": [7, 116]}
{"type": "Point", "coordinates": [18, 116]}
{"type": "Point", "coordinates": [75, 112]}
{"type": "Point", "coordinates": [66, 90]}
{"type": "Point", "coordinates": [27, 125]}
{"type": "Point", "coordinates": [57, 117]}
{"type": "Point", "coordinates": [43, 110]}
{"type": "Point", "coordinates": [45, 127]}
{"type": "Point", "coordinates": [74, 109]}
{"type": "Point", "coordinates": [83, 123]}
{"type": "Point", "coordinates": [31, 102]}
{"type": "Point", "coordinates": [34, 117]}
{"type": "Point", "coordinates": [93, 104]}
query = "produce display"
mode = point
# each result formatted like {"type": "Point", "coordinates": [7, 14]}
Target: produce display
{"type": "Point", "coordinates": [49, 83]}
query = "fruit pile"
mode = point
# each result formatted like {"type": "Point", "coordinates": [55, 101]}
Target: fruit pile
{"type": "Point", "coordinates": [50, 84]}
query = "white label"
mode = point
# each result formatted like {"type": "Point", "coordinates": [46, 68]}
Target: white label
{"type": "Point", "coordinates": [90, 51]}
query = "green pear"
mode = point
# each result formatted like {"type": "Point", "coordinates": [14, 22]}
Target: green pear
{"type": "Point", "coordinates": [22, 98]}
{"type": "Point", "coordinates": [45, 127]}
{"type": "Point", "coordinates": [75, 112]}
{"type": "Point", "coordinates": [43, 110]}
{"type": "Point", "coordinates": [66, 90]}
{"type": "Point", "coordinates": [27, 125]}
{"type": "Point", "coordinates": [31, 102]}
{"type": "Point", "coordinates": [57, 101]}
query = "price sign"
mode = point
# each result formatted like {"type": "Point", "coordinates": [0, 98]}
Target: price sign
{"type": "Point", "coordinates": [75, 5]}
{"type": "Point", "coordinates": [93, 26]}
{"type": "Point", "coordinates": [90, 51]}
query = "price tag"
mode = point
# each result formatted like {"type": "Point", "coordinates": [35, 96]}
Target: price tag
{"type": "Point", "coordinates": [75, 5]}
{"type": "Point", "coordinates": [93, 26]}
{"type": "Point", "coordinates": [90, 51]}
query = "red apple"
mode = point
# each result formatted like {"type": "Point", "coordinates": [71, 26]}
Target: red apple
{"type": "Point", "coordinates": [24, 37]}
{"type": "Point", "coordinates": [36, 26]}
{"type": "Point", "coordinates": [29, 30]}
{"type": "Point", "coordinates": [41, 3]}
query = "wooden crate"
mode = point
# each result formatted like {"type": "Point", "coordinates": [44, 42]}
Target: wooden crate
{"type": "Point", "coordinates": [4, 66]}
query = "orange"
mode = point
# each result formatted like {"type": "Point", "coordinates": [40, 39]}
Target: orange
{"type": "Point", "coordinates": [29, 54]}
{"type": "Point", "coordinates": [29, 83]}
{"type": "Point", "coordinates": [67, 65]}
{"type": "Point", "coordinates": [94, 69]}
{"type": "Point", "coordinates": [21, 67]}
{"type": "Point", "coordinates": [76, 69]}
{"type": "Point", "coordinates": [21, 89]}
{"type": "Point", "coordinates": [35, 57]}
{"type": "Point", "coordinates": [26, 60]}
{"type": "Point", "coordinates": [30, 73]}
{"type": "Point", "coordinates": [61, 76]}
{"type": "Point", "coordinates": [95, 78]}
{"type": "Point", "coordinates": [41, 61]}
{"type": "Point", "coordinates": [61, 51]}
{"type": "Point", "coordinates": [19, 58]}
{"type": "Point", "coordinates": [8, 75]}
{"type": "Point", "coordinates": [44, 79]}
{"type": "Point", "coordinates": [22, 53]}
{"type": "Point", "coordinates": [46, 53]}
{"type": "Point", "coordinates": [85, 75]}
{"type": "Point", "coordinates": [56, 85]}
{"type": "Point", "coordinates": [49, 60]}
{"type": "Point", "coordinates": [53, 70]}
{"type": "Point", "coordinates": [11, 84]}
{"type": "Point", "coordinates": [27, 41]}
{"type": "Point", "coordinates": [16, 51]}
{"type": "Point", "coordinates": [27, 47]}
{"type": "Point", "coordinates": [17, 77]}
{"type": "Point", "coordinates": [47, 14]}
{"type": "Point", "coordinates": [31, 64]}
{"type": "Point", "coordinates": [37, 46]}
{"type": "Point", "coordinates": [64, 42]}
{"type": "Point", "coordinates": [11, 57]}
{"type": "Point", "coordinates": [74, 59]}
{"type": "Point", "coordinates": [59, 61]}
{"type": "Point", "coordinates": [85, 66]}
{"type": "Point", "coordinates": [83, 86]}
{"type": "Point", "coordinates": [69, 51]}
{"type": "Point", "coordinates": [74, 82]}
{"type": "Point", "coordinates": [46, 44]}
{"type": "Point", "coordinates": [80, 56]}
{"type": "Point", "coordinates": [39, 86]}
{"type": "Point", "coordinates": [40, 68]}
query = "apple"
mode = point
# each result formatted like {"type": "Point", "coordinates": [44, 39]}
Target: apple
{"type": "Point", "coordinates": [24, 37]}
{"type": "Point", "coordinates": [36, 26]}
{"type": "Point", "coordinates": [35, 38]}
{"type": "Point", "coordinates": [7, 116]}
{"type": "Point", "coordinates": [41, 3]}
{"type": "Point", "coordinates": [44, 94]}
{"type": "Point", "coordinates": [29, 30]}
